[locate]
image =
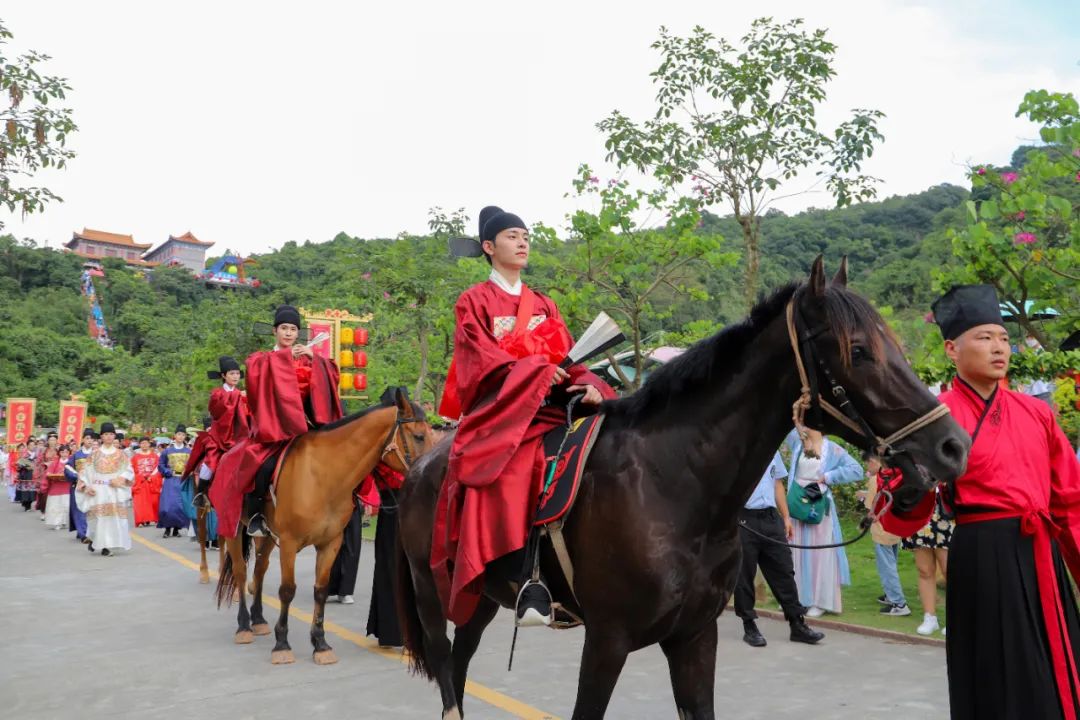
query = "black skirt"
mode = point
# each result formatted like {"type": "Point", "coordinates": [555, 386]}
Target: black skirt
{"type": "Point", "coordinates": [996, 645]}
{"type": "Point", "coordinates": [382, 617]}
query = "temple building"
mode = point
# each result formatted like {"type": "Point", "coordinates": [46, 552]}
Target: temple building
{"type": "Point", "coordinates": [97, 245]}
{"type": "Point", "coordinates": [186, 250]}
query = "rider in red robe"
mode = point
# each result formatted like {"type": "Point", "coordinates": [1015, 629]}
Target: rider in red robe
{"type": "Point", "coordinates": [507, 346]}
{"type": "Point", "coordinates": [290, 389]}
{"type": "Point", "coordinates": [1013, 626]}
{"type": "Point", "coordinates": [147, 484]}
{"type": "Point", "coordinates": [229, 421]}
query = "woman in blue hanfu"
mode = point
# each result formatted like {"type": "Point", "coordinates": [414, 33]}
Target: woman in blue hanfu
{"type": "Point", "coordinates": [819, 573]}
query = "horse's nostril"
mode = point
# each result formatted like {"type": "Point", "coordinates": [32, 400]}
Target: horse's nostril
{"type": "Point", "coordinates": [952, 450]}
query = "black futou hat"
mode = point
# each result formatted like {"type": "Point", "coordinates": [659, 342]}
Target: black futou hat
{"type": "Point", "coordinates": [180, 428]}
{"type": "Point", "coordinates": [965, 307]}
{"type": "Point", "coordinates": [286, 314]}
{"type": "Point", "coordinates": [225, 364]}
{"type": "Point", "coordinates": [108, 427]}
{"type": "Point", "coordinates": [493, 220]}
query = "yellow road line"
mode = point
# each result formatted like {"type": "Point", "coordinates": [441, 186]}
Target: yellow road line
{"type": "Point", "coordinates": [474, 689]}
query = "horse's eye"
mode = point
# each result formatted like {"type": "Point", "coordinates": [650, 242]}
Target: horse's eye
{"type": "Point", "coordinates": [418, 437]}
{"type": "Point", "coordinates": [859, 354]}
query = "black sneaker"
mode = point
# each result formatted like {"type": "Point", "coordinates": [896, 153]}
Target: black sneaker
{"type": "Point", "coordinates": [803, 633]}
{"type": "Point", "coordinates": [882, 600]}
{"type": "Point", "coordinates": [90, 546]}
{"type": "Point", "coordinates": [257, 526]}
{"type": "Point", "coordinates": [896, 610]}
{"type": "Point", "coordinates": [534, 606]}
{"type": "Point", "coordinates": [751, 635]}
{"type": "Point", "coordinates": [105, 552]}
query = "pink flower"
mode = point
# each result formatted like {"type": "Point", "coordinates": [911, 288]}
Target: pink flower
{"type": "Point", "coordinates": [1076, 152]}
{"type": "Point", "coordinates": [412, 306]}
{"type": "Point", "coordinates": [980, 171]}
{"type": "Point", "coordinates": [366, 276]}
{"type": "Point", "coordinates": [1020, 215]}
{"type": "Point", "coordinates": [929, 317]}
{"type": "Point", "coordinates": [1078, 177]}
{"type": "Point", "coordinates": [594, 180]}
{"type": "Point", "coordinates": [1024, 238]}
{"type": "Point", "coordinates": [385, 295]}
{"type": "Point", "coordinates": [1009, 177]}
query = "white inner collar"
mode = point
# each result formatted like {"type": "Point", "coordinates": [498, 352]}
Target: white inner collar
{"type": "Point", "coordinates": [497, 278]}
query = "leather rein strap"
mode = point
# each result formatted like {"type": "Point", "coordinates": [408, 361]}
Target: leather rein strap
{"type": "Point", "coordinates": [810, 398]}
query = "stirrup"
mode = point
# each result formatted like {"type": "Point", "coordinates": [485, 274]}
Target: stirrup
{"type": "Point", "coordinates": [263, 523]}
{"type": "Point", "coordinates": [531, 617]}
{"type": "Point", "coordinates": [200, 501]}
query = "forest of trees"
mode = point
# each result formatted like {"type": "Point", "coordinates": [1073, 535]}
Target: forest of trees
{"type": "Point", "coordinates": [169, 328]}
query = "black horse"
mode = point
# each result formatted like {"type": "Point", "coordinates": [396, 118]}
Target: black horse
{"type": "Point", "coordinates": [654, 536]}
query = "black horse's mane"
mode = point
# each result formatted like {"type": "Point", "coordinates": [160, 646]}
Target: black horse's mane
{"type": "Point", "coordinates": [721, 354]}
{"type": "Point", "coordinates": [417, 411]}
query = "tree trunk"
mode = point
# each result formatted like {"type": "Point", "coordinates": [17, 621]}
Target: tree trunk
{"type": "Point", "coordinates": [422, 378]}
{"type": "Point", "coordinates": [751, 238]}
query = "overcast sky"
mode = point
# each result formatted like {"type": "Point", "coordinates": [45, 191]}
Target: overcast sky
{"type": "Point", "coordinates": [254, 123]}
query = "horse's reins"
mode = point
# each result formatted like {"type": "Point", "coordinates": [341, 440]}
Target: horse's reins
{"type": "Point", "coordinates": [810, 398]}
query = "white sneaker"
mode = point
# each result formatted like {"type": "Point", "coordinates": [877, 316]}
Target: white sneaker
{"type": "Point", "coordinates": [929, 624]}
{"type": "Point", "coordinates": [814, 612]}
{"type": "Point", "coordinates": [347, 600]}
{"type": "Point", "coordinates": [333, 598]}
{"type": "Point", "coordinates": [942, 632]}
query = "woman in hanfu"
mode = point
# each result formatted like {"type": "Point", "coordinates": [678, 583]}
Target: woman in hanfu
{"type": "Point", "coordinates": [58, 490]}
{"type": "Point", "coordinates": [104, 492]}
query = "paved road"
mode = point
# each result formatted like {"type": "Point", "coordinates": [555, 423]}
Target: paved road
{"type": "Point", "coordinates": [136, 636]}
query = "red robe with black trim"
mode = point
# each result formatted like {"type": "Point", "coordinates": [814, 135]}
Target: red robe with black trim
{"type": "Point", "coordinates": [488, 499]}
{"type": "Point", "coordinates": [1020, 466]}
{"type": "Point", "coordinates": [229, 414]}
{"type": "Point", "coordinates": [278, 386]}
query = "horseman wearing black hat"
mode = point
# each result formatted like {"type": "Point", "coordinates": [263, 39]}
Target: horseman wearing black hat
{"type": "Point", "coordinates": [290, 389]}
{"type": "Point", "coordinates": [508, 343]}
{"type": "Point", "coordinates": [1013, 644]}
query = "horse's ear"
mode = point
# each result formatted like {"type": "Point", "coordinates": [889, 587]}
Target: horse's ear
{"type": "Point", "coordinates": [401, 399]}
{"type": "Point", "coordinates": [840, 278]}
{"type": "Point", "coordinates": [817, 277]}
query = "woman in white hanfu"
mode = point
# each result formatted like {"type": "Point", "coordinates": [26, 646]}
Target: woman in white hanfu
{"type": "Point", "coordinates": [104, 493]}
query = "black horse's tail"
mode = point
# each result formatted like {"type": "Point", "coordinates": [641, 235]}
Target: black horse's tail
{"type": "Point", "coordinates": [408, 613]}
{"type": "Point", "coordinates": [226, 585]}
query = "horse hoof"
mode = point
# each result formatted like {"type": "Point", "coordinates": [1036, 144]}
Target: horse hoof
{"type": "Point", "coordinates": [243, 637]}
{"type": "Point", "coordinates": [451, 714]}
{"type": "Point", "coordinates": [261, 628]}
{"type": "Point", "coordinates": [204, 577]}
{"type": "Point", "coordinates": [325, 657]}
{"type": "Point", "coordinates": [282, 657]}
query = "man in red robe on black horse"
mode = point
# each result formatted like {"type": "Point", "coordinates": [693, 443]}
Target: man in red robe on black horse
{"type": "Point", "coordinates": [506, 385]}
{"type": "Point", "coordinates": [1014, 629]}
{"type": "Point", "coordinates": [290, 390]}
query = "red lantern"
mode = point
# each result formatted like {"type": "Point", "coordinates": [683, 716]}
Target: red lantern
{"type": "Point", "coordinates": [360, 336]}
{"type": "Point", "coordinates": [360, 381]}
{"type": "Point", "coordinates": [359, 359]}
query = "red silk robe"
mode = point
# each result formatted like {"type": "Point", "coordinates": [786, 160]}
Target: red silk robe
{"type": "Point", "coordinates": [229, 414]}
{"type": "Point", "coordinates": [502, 377]}
{"type": "Point", "coordinates": [278, 386]}
{"type": "Point", "coordinates": [146, 487]}
{"type": "Point", "coordinates": [1020, 466]}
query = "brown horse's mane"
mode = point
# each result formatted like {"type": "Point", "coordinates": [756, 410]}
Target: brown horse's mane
{"type": "Point", "coordinates": [722, 354]}
{"type": "Point", "coordinates": [417, 412]}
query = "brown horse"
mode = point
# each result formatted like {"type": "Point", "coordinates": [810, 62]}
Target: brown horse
{"type": "Point", "coordinates": [311, 505]}
{"type": "Point", "coordinates": [654, 536]}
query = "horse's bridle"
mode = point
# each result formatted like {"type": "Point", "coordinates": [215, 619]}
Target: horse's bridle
{"type": "Point", "coordinates": [390, 445]}
{"type": "Point", "coordinates": [810, 398]}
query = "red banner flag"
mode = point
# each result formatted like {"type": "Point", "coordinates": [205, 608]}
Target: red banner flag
{"type": "Point", "coordinates": [72, 419]}
{"type": "Point", "coordinates": [20, 419]}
